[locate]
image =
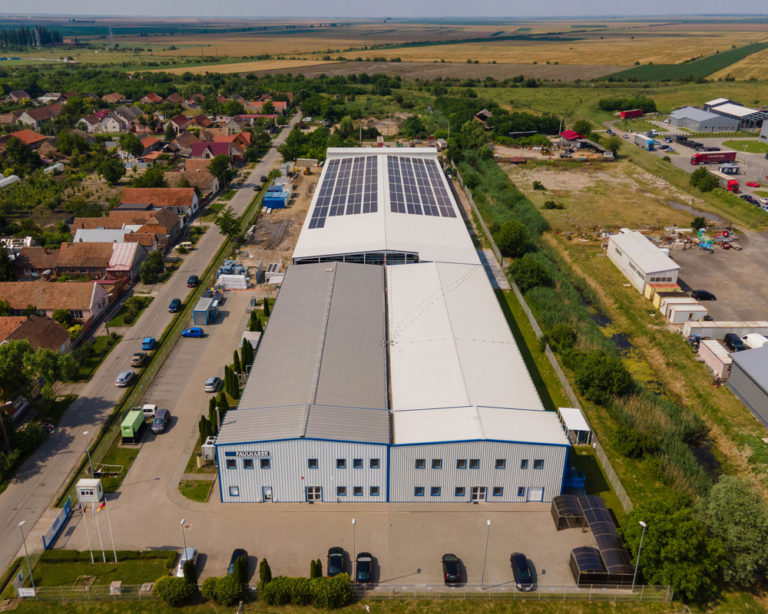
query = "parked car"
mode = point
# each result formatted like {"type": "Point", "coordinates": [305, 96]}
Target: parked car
{"type": "Point", "coordinates": [188, 554]}
{"type": "Point", "coordinates": [451, 570]}
{"type": "Point", "coordinates": [212, 384]}
{"type": "Point", "coordinates": [138, 358]}
{"type": "Point", "coordinates": [522, 572]}
{"type": "Point", "coordinates": [609, 132]}
{"type": "Point", "coordinates": [364, 568]}
{"type": "Point", "coordinates": [192, 281]}
{"type": "Point", "coordinates": [194, 331]}
{"type": "Point", "coordinates": [124, 378]}
{"type": "Point", "coordinates": [236, 554]}
{"type": "Point", "coordinates": [148, 343]}
{"type": "Point", "coordinates": [161, 420]}
{"type": "Point", "coordinates": [175, 306]}
{"type": "Point", "coordinates": [335, 561]}
{"type": "Point", "coordinates": [734, 343]}
{"type": "Point", "coordinates": [703, 295]}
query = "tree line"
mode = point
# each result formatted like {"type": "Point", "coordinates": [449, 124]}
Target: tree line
{"type": "Point", "coordinates": [29, 36]}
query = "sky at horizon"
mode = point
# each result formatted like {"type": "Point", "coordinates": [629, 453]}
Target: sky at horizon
{"type": "Point", "coordinates": [329, 9]}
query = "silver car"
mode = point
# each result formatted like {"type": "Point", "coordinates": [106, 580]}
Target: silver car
{"type": "Point", "coordinates": [212, 384]}
{"type": "Point", "coordinates": [124, 379]}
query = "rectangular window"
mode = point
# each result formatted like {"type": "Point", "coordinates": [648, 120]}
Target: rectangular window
{"type": "Point", "coordinates": [418, 491]}
{"type": "Point", "coordinates": [231, 463]}
{"type": "Point", "coordinates": [374, 491]}
{"type": "Point", "coordinates": [498, 491]}
{"type": "Point", "coordinates": [265, 463]}
{"type": "Point", "coordinates": [524, 464]}
{"type": "Point", "coordinates": [501, 463]}
{"type": "Point", "coordinates": [341, 463]}
{"type": "Point", "coordinates": [375, 463]}
{"type": "Point", "coordinates": [341, 491]}
{"type": "Point", "coordinates": [357, 463]}
{"type": "Point", "coordinates": [234, 491]}
{"type": "Point", "coordinates": [521, 491]}
{"type": "Point", "coordinates": [420, 463]}
{"type": "Point", "coordinates": [435, 491]}
{"type": "Point", "coordinates": [312, 463]}
{"type": "Point", "coordinates": [357, 491]}
{"type": "Point", "coordinates": [538, 463]}
{"type": "Point", "coordinates": [459, 492]}
{"type": "Point", "coordinates": [461, 463]}
{"type": "Point", "coordinates": [247, 463]}
{"type": "Point", "coordinates": [437, 463]}
{"type": "Point", "coordinates": [474, 463]}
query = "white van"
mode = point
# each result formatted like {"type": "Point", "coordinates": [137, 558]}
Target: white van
{"type": "Point", "coordinates": [149, 410]}
{"type": "Point", "coordinates": [754, 340]}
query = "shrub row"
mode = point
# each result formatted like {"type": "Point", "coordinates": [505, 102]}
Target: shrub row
{"type": "Point", "coordinates": [326, 593]}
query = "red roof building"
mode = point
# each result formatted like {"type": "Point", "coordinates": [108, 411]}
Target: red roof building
{"type": "Point", "coordinates": [29, 137]}
{"type": "Point", "coordinates": [570, 135]}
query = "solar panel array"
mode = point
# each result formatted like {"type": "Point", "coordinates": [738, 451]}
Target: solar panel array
{"type": "Point", "coordinates": [416, 187]}
{"type": "Point", "coordinates": [349, 187]}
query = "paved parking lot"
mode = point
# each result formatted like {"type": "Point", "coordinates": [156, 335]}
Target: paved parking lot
{"type": "Point", "coordinates": [736, 278]}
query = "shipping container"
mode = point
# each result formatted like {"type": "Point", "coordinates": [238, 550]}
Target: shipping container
{"type": "Point", "coordinates": [713, 157]}
{"type": "Point", "coordinates": [631, 113]}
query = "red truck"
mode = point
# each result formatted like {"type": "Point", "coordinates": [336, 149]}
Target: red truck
{"type": "Point", "coordinates": [631, 113]}
{"type": "Point", "coordinates": [710, 157]}
{"type": "Point", "coordinates": [732, 186]}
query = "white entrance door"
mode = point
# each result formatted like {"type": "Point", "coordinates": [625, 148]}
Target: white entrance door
{"type": "Point", "coordinates": [314, 493]}
{"type": "Point", "coordinates": [535, 494]}
{"type": "Point", "coordinates": [266, 494]}
{"type": "Point", "coordinates": [478, 493]}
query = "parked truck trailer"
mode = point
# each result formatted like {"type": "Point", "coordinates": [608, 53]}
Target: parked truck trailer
{"type": "Point", "coordinates": [631, 113]}
{"type": "Point", "coordinates": [713, 157]}
{"type": "Point", "coordinates": [644, 141]}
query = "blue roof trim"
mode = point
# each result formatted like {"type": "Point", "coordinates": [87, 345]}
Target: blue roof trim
{"type": "Point", "coordinates": [511, 441]}
{"type": "Point", "coordinates": [245, 443]}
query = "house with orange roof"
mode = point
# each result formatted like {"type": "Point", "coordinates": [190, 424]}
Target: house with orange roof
{"type": "Point", "coordinates": [29, 137]}
{"type": "Point", "coordinates": [39, 115]}
{"type": "Point", "coordinates": [182, 201]}
{"type": "Point", "coordinates": [113, 98]}
{"type": "Point", "coordinates": [152, 98]}
{"type": "Point", "coordinates": [40, 331]}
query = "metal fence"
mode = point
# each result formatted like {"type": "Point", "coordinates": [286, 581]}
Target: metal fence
{"type": "Point", "coordinates": [610, 473]}
{"type": "Point", "coordinates": [96, 592]}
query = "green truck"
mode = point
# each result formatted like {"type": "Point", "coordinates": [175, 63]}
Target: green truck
{"type": "Point", "coordinates": [132, 426]}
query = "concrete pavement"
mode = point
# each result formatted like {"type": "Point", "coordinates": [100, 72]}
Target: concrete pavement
{"type": "Point", "coordinates": [42, 476]}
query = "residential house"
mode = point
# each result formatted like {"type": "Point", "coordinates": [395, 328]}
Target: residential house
{"type": "Point", "coordinates": [206, 183]}
{"type": "Point", "coordinates": [241, 140]}
{"type": "Point", "coordinates": [194, 101]}
{"type": "Point", "coordinates": [125, 261]}
{"type": "Point", "coordinates": [179, 123]}
{"type": "Point", "coordinates": [85, 300]}
{"type": "Point", "coordinates": [247, 119]}
{"type": "Point", "coordinates": [197, 164]}
{"type": "Point", "coordinates": [29, 137]}
{"type": "Point", "coordinates": [10, 118]}
{"type": "Point", "coordinates": [182, 201]}
{"type": "Point", "coordinates": [33, 262]}
{"type": "Point", "coordinates": [158, 229]}
{"type": "Point", "coordinates": [152, 98]}
{"type": "Point", "coordinates": [182, 144]}
{"type": "Point", "coordinates": [103, 122]}
{"type": "Point", "coordinates": [257, 106]}
{"type": "Point", "coordinates": [98, 260]}
{"type": "Point", "coordinates": [19, 96]}
{"type": "Point", "coordinates": [51, 97]}
{"type": "Point", "coordinates": [39, 115]}
{"type": "Point", "coordinates": [113, 98]}
{"type": "Point", "coordinates": [202, 120]}
{"type": "Point", "coordinates": [81, 259]}
{"type": "Point", "coordinates": [40, 331]}
{"type": "Point", "coordinates": [150, 143]}
{"type": "Point", "coordinates": [211, 149]}
{"type": "Point", "coordinates": [175, 98]}
{"type": "Point", "coordinates": [129, 115]}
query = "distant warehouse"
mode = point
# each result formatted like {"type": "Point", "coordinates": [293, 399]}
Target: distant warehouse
{"type": "Point", "coordinates": [376, 382]}
{"type": "Point", "coordinates": [749, 380]}
{"type": "Point", "coordinates": [697, 120]}
{"type": "Point", "coordinates": [640, 260]}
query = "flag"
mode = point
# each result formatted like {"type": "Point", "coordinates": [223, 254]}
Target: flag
{"type": "Point", "coordinates": [102, 506]}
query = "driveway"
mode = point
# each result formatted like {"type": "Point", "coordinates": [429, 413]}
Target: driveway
{"type": "Point", "coordinates": [42, 476]}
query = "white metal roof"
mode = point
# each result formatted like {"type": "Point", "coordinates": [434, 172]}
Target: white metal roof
{"type": "Point", "coordinates": [450, 344]}
{"type": "Point", "coordinates": [433, 237]}
{"type": "Point", "coordinates": [693, 113]}
{"type": "Point", "coordinates": [718, 349]}
{"type": "Point", "coordinates": [734, 110]}
{"type": "Point", "coordinates": [645, 255]}
{"type": "Point", "coordinates": [573, 419]}
{"type": "Point", "coordinates": [478, 423]}
{"type": "Point", "coordinates": [123, 256]}
{"type": "Point", "coordinates": [716, 101]}
{"type": "Point", "coordinates": [100, 235]}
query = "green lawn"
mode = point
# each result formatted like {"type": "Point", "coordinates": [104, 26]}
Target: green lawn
{"type": "Point", "coordinates": [101, 346]}
{"type": "Point", "coordinates": [134, 305]}
{"type": "Point", "coordinates": [212, 211]}
{"type": "Point", "coordinates": [197, 490]}
{"type": "Point", "coordinates": [227, 196]}
{"type": "Point", "coordinates": [118, 455]}
{"type": "Point", "coordinates": [129, 569]}
{"type": "Point", "coordinates": [751, 146]}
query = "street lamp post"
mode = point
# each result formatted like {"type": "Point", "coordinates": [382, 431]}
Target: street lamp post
{"type": "Point", "coordinates": [26, 554]}
{"type": "Point", "coordinates": [88, 451]}
{"type": "Point", "coordinates": [639, 550]}
{"type": "Point", "coordinates": [183, 537]}
{"type": "Point", "coordinates": [485, 554]}
{"type": "Point", "coordinates": [354, 540]}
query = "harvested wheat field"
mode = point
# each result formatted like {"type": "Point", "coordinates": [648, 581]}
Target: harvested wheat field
{"type": "Point", "coordinates": [751, 66]}
{"type": "Point", "coordinates": [242, 67]}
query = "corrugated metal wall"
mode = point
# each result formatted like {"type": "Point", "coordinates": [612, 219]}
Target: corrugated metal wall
{"type": "Point", "coordinates": [405, 476]}
{"type": "Point", "coordinates": [289, 474]}
{"type": "Point", "coordinates": [749, 392]}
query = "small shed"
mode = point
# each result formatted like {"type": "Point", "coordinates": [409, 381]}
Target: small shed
{"type": "Point", "coordinates": [132, 426]}
{"type": "Point", "coordinates": [205, 311]}
{"type": "Point", "coordinates": [716, 357]}
{"type": "Point", "coordinates": [567, 513]}
{"type": "Point", "coordinates": [660, 295]}
{"type": "Point", "coordinates": [680, 313]}
{"type": "Point", "coordinates": [276, 197]}
{"type": "Point", "coordinates": [652, 288]}
{"type": "Point", "coordinates": [576, 426]}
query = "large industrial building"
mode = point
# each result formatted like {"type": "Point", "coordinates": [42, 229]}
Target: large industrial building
{"type": "Point", "coordinates": [697, 120]}
{"type": "Point", "coordinates": [398, 380]}
{"type": "Point", "coordinates": [746, 118]}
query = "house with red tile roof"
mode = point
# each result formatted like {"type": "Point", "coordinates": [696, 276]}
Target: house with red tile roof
{"type": "Point", "coordinates": [40, 331]}
{"type": "Point", "coordinates": [211, 149]}
{"type": "Point", "coordinates": [85, 300]}
{"type": "Point", "coordinates": [182, 201]}
{"type": "Point", "coordinates": [206, 183]}
{"type": "Point", "coordinates": [39, 115]}
{"type": "Point", "coordinates": [36, 261]}
{"type": "Point", "coordinates": [8, 324]}
{"type": "Point", "coordinates": [29, 137]}
{"type": "Point", "coordinates": [158, 229]}
{"type": "Point", "coordinates": [179, 123]}
{"type": "Point", "coordinates": [241, 140]}
{"type": "Point", "coordinates": [113, 98]}
{"type": "Point", "coordinates": [152, 98]}
{"type": "Point", "coordinates": [257, 106]}
{"type": "Point", "coordinates": [202, 120]}
{"type": "Point", "coordinates": [175, 98]}
{"type": "Point", "coordinates": [19, 96]}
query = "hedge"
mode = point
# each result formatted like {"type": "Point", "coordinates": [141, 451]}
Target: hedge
{"type": "Point", "coordinates": [326, 593]}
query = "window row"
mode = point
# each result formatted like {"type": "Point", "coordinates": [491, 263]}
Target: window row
{"type": "Point", "coordinates": [341, 463]}
{"type": "Point", "coordinates": [248, 463]}
{"type": "Point", "coordinates": [357, 491]}
{"type": "Point", "coordinates": [461, 491]}
{"type": "Point", "coordinates": [474, 463]}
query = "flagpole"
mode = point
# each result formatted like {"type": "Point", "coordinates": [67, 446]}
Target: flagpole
{"type": "Point", "coordinates": [98, 530]}
{"type": "Point", "coordinates": [109, 522]}
{"type": "Point", "coordinates": [87, 535]}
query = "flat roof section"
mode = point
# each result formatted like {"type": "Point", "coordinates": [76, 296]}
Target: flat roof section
{"type": "Point", "coordinates": [450, 344]}
{"type": "Point", "coordinates": [643, 253]}
{"type": "Point", "coordinates": [384, 200]}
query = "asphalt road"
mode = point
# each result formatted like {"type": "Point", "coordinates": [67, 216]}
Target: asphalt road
{"type": "Point", "coordinates": [42, 476]}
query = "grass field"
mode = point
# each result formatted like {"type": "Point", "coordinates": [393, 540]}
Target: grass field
{"type": "Point", "coordinates": [752, 67]}
{"type": "Point", "coordinates": [752, 146]}
{"type": "Point", "coordinates": [196, 490]}
{"type": "Point", "coordinates": [102, 346]}
{"type": "Point", "coordinates": [50, 572]}
{"type": "Point", "coordinates": [238, 67]}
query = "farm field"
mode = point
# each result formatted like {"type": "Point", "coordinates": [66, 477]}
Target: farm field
{"type": "Point", "coordinates": [240, 67]}
{"type": "Point", "coordinates": [748, 68]}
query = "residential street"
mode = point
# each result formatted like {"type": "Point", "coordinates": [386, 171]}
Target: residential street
{"type": "Point", "coordinates": [40, 479]}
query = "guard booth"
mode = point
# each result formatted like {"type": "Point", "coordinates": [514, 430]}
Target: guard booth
{"type": "Point", "coordinates": [89, 490]}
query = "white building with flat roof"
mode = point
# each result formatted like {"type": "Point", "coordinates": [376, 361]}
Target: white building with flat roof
{"type": "Point", "coordinates": [640, 260]}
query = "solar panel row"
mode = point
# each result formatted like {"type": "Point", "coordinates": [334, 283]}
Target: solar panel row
{"type": "Point", "coordinates": [416, 187]}
{"type": "Point", "coordinates": [349, 187]}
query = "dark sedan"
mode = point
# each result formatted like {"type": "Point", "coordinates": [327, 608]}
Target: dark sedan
{"type": "Point", "coordinates": [236, 554]}
{"type": "Point", "coordinates": [522, 572]}
{"type": "Point", "coordinates": [335, 561]}
{"type": "Point", "coordinates": [451, 570]}
{"type": "Point", "coordinates": [364, 568]}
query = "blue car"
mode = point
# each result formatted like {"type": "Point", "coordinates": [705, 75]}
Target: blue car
{"type": "Point", "coordinates": [195, 331]}
{"type": "Point", "coordinates": [148, 343]}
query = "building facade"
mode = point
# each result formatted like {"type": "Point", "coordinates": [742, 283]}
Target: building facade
{"type": "Point", "coordinates": [640, 260]}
